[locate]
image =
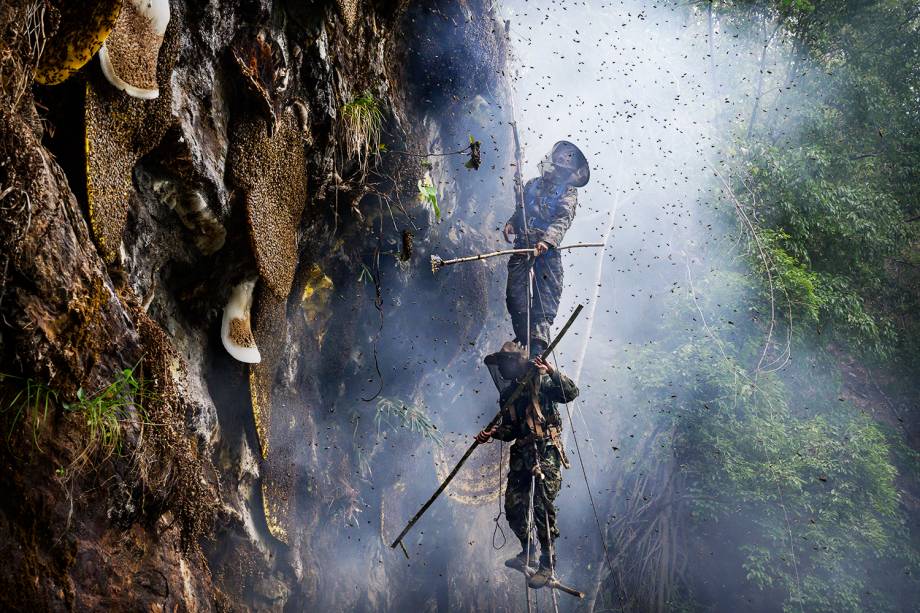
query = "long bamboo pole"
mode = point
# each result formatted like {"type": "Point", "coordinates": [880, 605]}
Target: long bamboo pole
{"type": "Point", "coordinates": [437, 263]}
{"type": "Point", "coordinates": [514, 396]}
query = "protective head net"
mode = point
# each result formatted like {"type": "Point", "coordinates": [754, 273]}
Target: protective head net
{"type": "Point", "coordinates": [507, 365]}
{"type": "Point", "coordinates": [567, 163]}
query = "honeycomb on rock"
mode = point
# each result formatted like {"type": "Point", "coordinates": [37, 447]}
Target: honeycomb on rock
{"type": "Point", "coordinates": [119, 131]}
{"type": "Point", "coordinates": [191, 205]}
{"type": "Point", "coordinates": [129, 56]}
{"type": "Point", "coordinates": [349, 10]}
{"type": "Point", "coordinates": [82, 29]}
{"type": "Point", "coordinates": [479, 482]}
{"type": "Point", "coordinates": [269, 335]}
{"type": "Point", "coordinates": [277, 485]}
{"type": "Point", "coordinates": [271, 171]}
{"type": "Point", "coordinates": [236, 329]}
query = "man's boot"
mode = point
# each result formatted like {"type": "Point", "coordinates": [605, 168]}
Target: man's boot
{"type": "Point", "coordinates": [519, 562]}
{"type": "Point", "coordinates": [544, 574]}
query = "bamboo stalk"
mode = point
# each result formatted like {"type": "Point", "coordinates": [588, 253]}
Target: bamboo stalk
{"type": "Point", "coordinates": [437, 263]}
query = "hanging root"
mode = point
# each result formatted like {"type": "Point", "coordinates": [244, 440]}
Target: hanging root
{"type": "Point", "coordinates": [21, 55]}
{"type": "Point", "coordinates": [647, 538]}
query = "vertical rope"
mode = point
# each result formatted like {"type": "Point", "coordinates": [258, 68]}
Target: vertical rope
{"type": "Point", "coordinates": [533, 478]}
{"type": "Point", "coordinates": [530, 272]}
{"type": "Point", "coordinates": [552, 550]}
{"type": "Point", "coordinates": [584, 474]}
{"type": "Point", "coordinates": [498, 527]}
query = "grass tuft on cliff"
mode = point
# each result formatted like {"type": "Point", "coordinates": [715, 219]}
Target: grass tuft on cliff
{"type": "Point", "coordinates": [362, 121]}
{"type": "Point", "coordinates": [29, 404]}
{"type": "Point", "coordinates": [104, 412]}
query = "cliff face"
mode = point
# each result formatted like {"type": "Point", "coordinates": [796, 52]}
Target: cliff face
{"type": "Point", "coordinates": [127, 225]}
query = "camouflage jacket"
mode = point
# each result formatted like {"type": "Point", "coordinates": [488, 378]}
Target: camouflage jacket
{"type": "Point", "coordinates": [550, 210]}
{"type": "Point", "coordinates": [552, 389]}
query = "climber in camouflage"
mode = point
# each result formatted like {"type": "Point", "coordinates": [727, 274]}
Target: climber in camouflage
{"type": "Point", "coordinates": [534, 424]}
{"type": "Point", "coordinates": [540, 224]}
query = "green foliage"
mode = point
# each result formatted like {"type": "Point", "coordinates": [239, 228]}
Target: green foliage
{"type": "Point", "coordinates": [792, 277]}
{"type": "Point", "coordinates": [806, 471]}
{"type": "Point", "coordinates": [104, 412]}
{"type": "Point", "coordinates": [429, 194]}
{"type": "Point", "coordinates": [29, 402]}
{"type": "Point", "coordinates": [817, 491]}
{"type": "Point", "coordinates": [407, 416]}
{"type": "Point", "coordinates": [362, 121]}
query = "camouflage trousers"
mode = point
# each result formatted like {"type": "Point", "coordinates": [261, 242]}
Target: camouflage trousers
{"type": "Point", "coordinates": [517, 494]}
{"type": "Point", "coordinates": [544, 302]}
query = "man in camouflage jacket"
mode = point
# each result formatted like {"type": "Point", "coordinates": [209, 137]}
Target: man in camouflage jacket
{"type": "Point", "coordinates": [540, 224]}
{"type": "Point", "coordinates": [534, 424]}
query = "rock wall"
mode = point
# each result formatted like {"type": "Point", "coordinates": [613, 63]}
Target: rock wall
{"type": "Point", "coordinates": [128, 222]}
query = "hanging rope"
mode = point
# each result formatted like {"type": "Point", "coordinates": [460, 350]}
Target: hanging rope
{"type": "Point", "coordinates": [552, 550]}
{"type": "Point", "coordinates": [498, 527]}
{"type": "Point", "coordinates": [529, 530]}
{"type": "Point", "coordinates": [535, 471]}
{"type": "Point", "coordinates": [584, 474]}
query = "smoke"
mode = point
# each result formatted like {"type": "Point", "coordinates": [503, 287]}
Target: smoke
{"type": "Point", "coordinates": [631, 84]}
{"type": "Point", "coordinates": [648, 93]}
{"type": "Point", "coordinates": [651, 93]}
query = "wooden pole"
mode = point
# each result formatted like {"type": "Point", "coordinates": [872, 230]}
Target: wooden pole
{"type": "Point", "coordinates": [437, 262]}
{"type": "Point", "coordinates": [514, 396]}
{"type": "Point", "coordinates": [556, 585]}
{"type": "Point", "coordinates": [552, 583]}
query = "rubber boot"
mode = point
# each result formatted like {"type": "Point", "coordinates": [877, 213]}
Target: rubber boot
{"type": "Point", "coordinates": [543, 574]}
{"type": "Point", "coordinates": [519, 562]}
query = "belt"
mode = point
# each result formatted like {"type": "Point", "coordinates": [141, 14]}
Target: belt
{"type": "Point", "coordinates": [552, 434]}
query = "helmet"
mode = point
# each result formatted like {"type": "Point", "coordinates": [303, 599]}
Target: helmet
{"type": "Point", "coordinates": [565, 155]}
